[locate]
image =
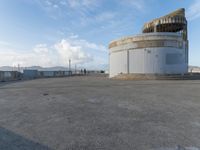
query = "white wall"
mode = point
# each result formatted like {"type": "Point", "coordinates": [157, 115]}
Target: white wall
{"type": "Point", "coordinates": [118, 63]}
{"type": "Point", "coordinates": [148, 61]}
{"type": "Point", "coordinates": [128, 56]}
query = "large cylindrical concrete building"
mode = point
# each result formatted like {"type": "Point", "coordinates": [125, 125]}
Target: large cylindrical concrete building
{"type": "Point", "coordinates": [161, 49]}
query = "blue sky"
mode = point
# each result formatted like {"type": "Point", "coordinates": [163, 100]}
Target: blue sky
{"type": "Point", "coordinates": [49, 32]}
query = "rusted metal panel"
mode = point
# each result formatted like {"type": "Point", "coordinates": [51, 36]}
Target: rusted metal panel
{"type": "Point", "coordinates": [173, 22]}
{"type": "Point", "coordinates": [147, 38]}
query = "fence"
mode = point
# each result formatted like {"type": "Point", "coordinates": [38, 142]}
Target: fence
{"type": "Point", "coordinates": [10, 76]}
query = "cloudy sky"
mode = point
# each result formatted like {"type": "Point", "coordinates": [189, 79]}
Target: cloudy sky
{"type": "Point", "coordinates": [50, 32]}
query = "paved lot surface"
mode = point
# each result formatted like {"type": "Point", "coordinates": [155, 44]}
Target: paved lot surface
{"type": "Point", "coordinates": [89, 113]}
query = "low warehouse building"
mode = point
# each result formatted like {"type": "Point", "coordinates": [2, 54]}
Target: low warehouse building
{"type": "Point", "coordinates": [161, 49]}
{"type": "Point", "coordinates": [30, 74]}
{"type": "Point", "coordinates": [10, 76]}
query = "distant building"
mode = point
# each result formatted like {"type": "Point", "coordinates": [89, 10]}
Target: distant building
{"type": "Point", "coordinates": [33, 74]}
{"type": "Point", "coordinates": [193, 69]}
{"type": "Point", "coordinates": [30, 74]}
{"type": "Point", "coordinates": [162, 48]}
{"type": "Point", "coordinates": [10, 75]}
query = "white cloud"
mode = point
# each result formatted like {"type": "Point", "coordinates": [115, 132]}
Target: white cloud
{"type": "Point", "coordinates": [193, 11]}
{"type": "Point", "coordinates": [35, 57]}
{"type": "Point", "coordinates": [73, 36]}
{"type": "Point", "coordinates": [82, 52]}
{"type": "Point", "coordinates": [80, 3]}
{"type": "Point", "coordinates": [4, 43]}
{"type": "Point", "coordinates": [62, 9]}
{"type": "Point", "coordinates": [78, 50]}
{"type": "Point", "coordinates": [85, 44]}
{"type": "Point", "coordinates": [138, 4]}
{"type": "Point", "coordinates": [67, 51]}
{"type": "Point", "coordinates": [41, 48]}
{"type": "Point", "coordinates": [67, 3]}
{"type": "Point", "coordinates": [105, 16]}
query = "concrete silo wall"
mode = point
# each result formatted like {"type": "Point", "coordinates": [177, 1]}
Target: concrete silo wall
{"type": "Point", "coordinates": [151, 53]}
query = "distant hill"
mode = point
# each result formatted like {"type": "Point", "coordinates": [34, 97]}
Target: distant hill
{"type": "Point", "coordinates": [56, 68]}
{"type": "Point", "coordinates": [60, 68]}
{"type": "Point", "coordinates": [9, 68]}
{"type": "Point", "coordinates": [6, 68]}
{"type": "Point", "coordinates": [39, 68]}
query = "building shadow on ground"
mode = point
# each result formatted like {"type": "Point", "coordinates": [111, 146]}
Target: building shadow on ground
{"type": "Point", "coordinates": [12, 141]}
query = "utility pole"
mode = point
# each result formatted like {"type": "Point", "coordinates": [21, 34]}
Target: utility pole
{"type": "Point", "coordinates": [18, 67]}
{"type": "Point", "coordinates": [75, 68]}
{"type": "Point", "coordinates": [70, 66]}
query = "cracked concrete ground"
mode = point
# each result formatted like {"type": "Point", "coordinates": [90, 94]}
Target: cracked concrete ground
{"type": "Point", "coordinates": [95, 113]}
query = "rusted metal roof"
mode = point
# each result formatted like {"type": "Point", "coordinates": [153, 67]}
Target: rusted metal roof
{"type": "Point", "coordinates": [173, 22]}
